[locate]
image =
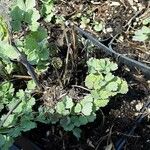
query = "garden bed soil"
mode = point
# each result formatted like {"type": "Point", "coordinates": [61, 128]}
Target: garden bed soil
{"type": "Point", "coordinates": [120, 114]}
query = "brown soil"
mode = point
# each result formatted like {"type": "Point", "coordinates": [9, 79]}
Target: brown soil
{"type": "Point", "coordinates": [118, 117]}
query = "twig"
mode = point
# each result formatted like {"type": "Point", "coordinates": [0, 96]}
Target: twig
{"type": "Point", "coordinates": [28, 66]}
{"type": "Point", "coordinates": [122, 141]}
{"type": "Point", "coordinates": [131, 63]}
{"type": "Point", "coordinates": [81, 87]}
{"type": "Point", "coordinates": [10, 111]}
{"type": "Point", "coordinates": [22, 77]}
{"type": "Point", "coordinates": [129, 22]}
{"type": "Point", "coordinates": [58, 76]}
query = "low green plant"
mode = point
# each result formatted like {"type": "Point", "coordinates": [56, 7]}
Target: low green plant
{"type": "Point", "coordinates": [24, 12]}
{"type": "Point", "coordinates": [36, 47]}
{"type": "Point", "coordinates": [17, 110]}
{"type": "Point", "coordinates": [98, 26]}
{"type": "Point", "coordinates": [143, 34]}
{"type": "Point", "coordinates": [102, 85]}
{"type": "Point", "coordinates": [18, 116]}
{"type": "Point", "coordinates": [85, 22]}
{"type": "Point", "coordinates": [47, 10]}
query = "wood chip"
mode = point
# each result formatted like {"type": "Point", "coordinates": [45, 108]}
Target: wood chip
{"type": "Point", "coordinates": [139, 106]}
{"type": "Point", "coordinates": [131, 2]}
{"type": "Point", "coordinates": [113, 3]}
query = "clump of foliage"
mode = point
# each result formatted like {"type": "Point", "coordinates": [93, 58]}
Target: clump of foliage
{"type": "Point", "coordinates": [102, 85]}
{"type": "Point", "coordinates": [17, 110]}
{"type": "Point", "coordinates": [48, 9]}
{"type": "Point", "coordinates": [24, 12]}
{"type": "Point", "coordinates": [86, 21]}
{"type": "Point", "coordinates": [19, 117]}
{"type": "Point", "coordinates": [143, 34]}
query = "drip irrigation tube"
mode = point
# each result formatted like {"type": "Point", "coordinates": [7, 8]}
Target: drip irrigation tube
{"type": "Point", "coordinates": [131, 63]}
{"type": "Point", "coordinates": [28, 66]}
{"type": "Point", "coordinates": [120, 143]}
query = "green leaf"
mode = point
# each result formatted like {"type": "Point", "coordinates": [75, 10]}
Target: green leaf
{"type": "Point", "coordinates": [31, 85]}
{"type": "Point", "coordinates": [36, 48]}
{"type": "Point", "coordinates": [69, 127]}
{"type": "Point", "coordinates": [25, 12]}
{"type": "Point", "coordinates": [91, 118]}
{"type": "Point", "coordinates": [27, 125]}
{"type": "Point", "coordinates": [113, 66]}
{"type": "Point", "coordinates": [123, 87]}
{"type": "Point", "coordinates": [77, 108]}
{"type": "Point", "coordinates": [15, 132]}
{"type": "Point", "coordinates": [95, 94]}
{"type": "Point", "coordinates": [146, 21]}
{"type": "Point", "coordinates": [7, 51]}
{"type": "Point", "coordinates": [109, 77]}
{"type": "Point", "coordinates": [20, 4]}
{"type": "Point", "coordinates": [146, 30]}
{"type": "Point", "coordinates": [100, 103]}
{"type": "Point", "coordinates": [140, 38]}
{"type": "Point", "coordinates": [30, 103]}
{"type": "Point", "coordinates": [18, 109]}
{"type": "Point", "coordinates": [2, 140]}
{"type": "Point", "coordinates": [20, 94]}
{"type": "Point", "coordinates": [68, 102]}
{"type": "Point", "coordinates": [30, 4]}
{"type": "Point", "coordinates": [84, 21]}
{"type": "Point", "coordinates": [49, 17]}
{"type": "Point", "coordinates": [142, 34]}
{"type": "Point", "coordinates": [90, 80]}
{"type": "Point", "coordinates": [112, 86]}
{"type": "Point", "coordinates": [77, 132]}
{"type": "Point", "coordinates": [98, 26]}
{"type": "Point", "coordinates": [87, 108]}
{"type": "Point", "coordinates": [87, 98]}
{"type": "Point", "coordinates": [34, 26]}
{"type": "Point", "coordinates": [4, 31]}
{"type": "Point", "coordinates": [75, 121]}
{"type": "Point", "coordinates": [60, 107]}
{"type": "Point", "coordinates": [65, 121]}
{"type": "Point", "coordinates": [66, 112]}
{"type": "Point", "coordinates": [83, 120]}
{"type": "Point", "coordinates": [9, 120]}
{"type": "Point", "coordinates": [104, 94]}
{"type": "Point", "coordinates": [1, 106]}
{"type": "Point", "coordinates": [101, 66]}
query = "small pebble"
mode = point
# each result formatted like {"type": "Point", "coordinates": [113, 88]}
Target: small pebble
{"type": "Point", "coordinates": [137, 19]}
{"type": "Point", "coordinates": [115, 3]}
{"type": "Point", "coordinates": [134, 23]}
{"type": "Point", "coordinates": [130, 11]}
{"type": "Point", "coordinates": [132, 102]}
{"type": "Point", "coordinates": [136, 114]}
{"type": "Point", "coordinates": [139, 106]}
{"type": "Point", "coordinates": [116, 12]}
{"type": "Point", "coordinates": [140, 6]}
{"type": "Point", "coordinates": [121, 38]}
{"type": "Point", "coordinates": [107, 14]}
{"type": "Point", "coordinates": [131, 2]}
{"type": "Point", "coordinates": [104, 30]}
{"type": "Point", "coordinates": [136, 1]}
{"type": "Point", "coordinates": [109, 30]}
{"type": "Point", "coordinates": [148, 111]}
{"type": "Point", "coordinates": [135, 8]}
{"type": "Point", "coordinates": [148, 141]}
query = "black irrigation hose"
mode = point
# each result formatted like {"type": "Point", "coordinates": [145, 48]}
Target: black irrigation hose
{"type": "Point", "coordinates": [131, 63]}
{"type": "Point", "coordinates": [120, 143]}
{"type": "Point", "coordinates": [28, 66]}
